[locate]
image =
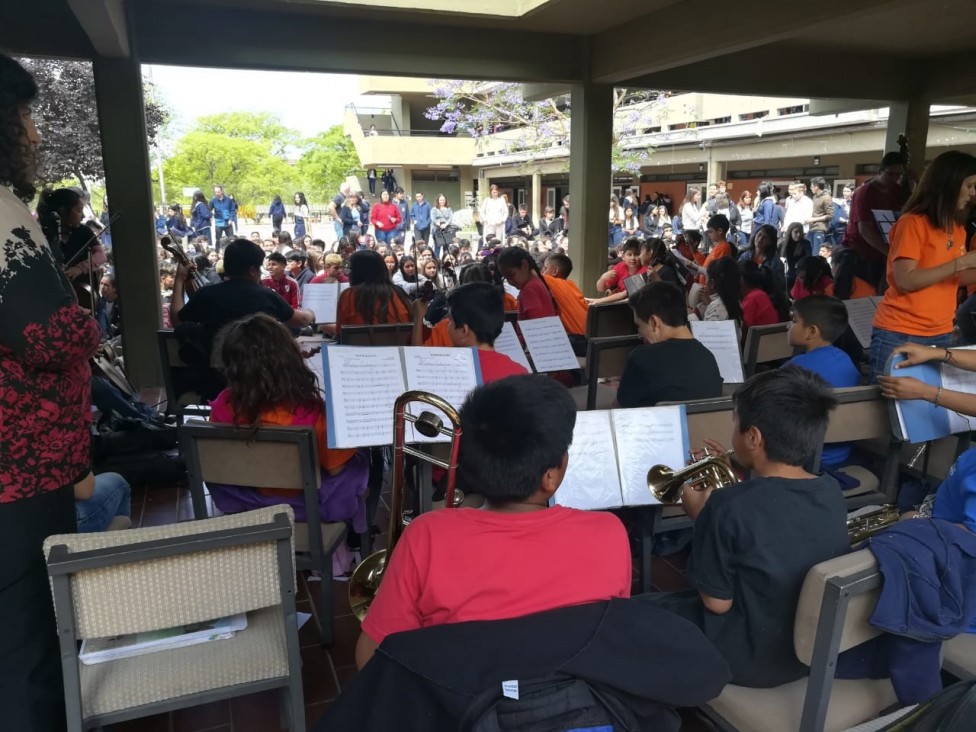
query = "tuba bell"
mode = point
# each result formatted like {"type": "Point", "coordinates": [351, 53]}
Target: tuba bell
{"type": "Point", "coordinates": [366, 578]}
{"type": "Point", "coordinates": [713, 471]}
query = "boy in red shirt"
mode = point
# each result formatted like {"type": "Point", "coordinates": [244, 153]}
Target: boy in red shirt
{"type": "Point", "coordinates": [517, 555]}
{"type": "Point", "coordinates": [281, 282]}
{"type": "Point", "coordinates": [613, 279]}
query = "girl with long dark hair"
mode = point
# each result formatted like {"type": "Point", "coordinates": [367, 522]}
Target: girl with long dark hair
{"type": "Point", "coordinates": [813, 277]}
{"type": "Point", "coordinates": [300, 214]}
{"type": "Point", "coordinates": [723, 290]}
{"type": "Point", "coordinates": [371, 298]}
{"type": "Point", "coordinates": [200, 216]}
{"type": "Point", "coordinates": [795, 247]}
{"type": "Point", "coordinates": [407, 277]}
{"type": "Point", "coordinates": [522, 272]}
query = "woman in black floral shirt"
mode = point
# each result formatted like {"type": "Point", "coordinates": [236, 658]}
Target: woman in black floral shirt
{"type": "Point", "coordinates": [46, 341]}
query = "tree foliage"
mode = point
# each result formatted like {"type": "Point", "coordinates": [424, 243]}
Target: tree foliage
{"type": "Point", "coordinates": [66, 114]}
{"type": "Point", "coordinates": [327, 159]}
{"type": "Point", "coordinates": [497, 114]}
{"type": "Point", "coordinates": [260, 127]}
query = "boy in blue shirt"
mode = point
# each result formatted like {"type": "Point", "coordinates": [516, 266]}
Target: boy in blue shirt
{"type": "Point", "coordinates": [818, 321]}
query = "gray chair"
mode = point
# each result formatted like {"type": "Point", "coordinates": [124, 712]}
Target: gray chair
{"type": "Point", "coordinates": [610, 319]}
{"type": "Point", "coordinates": [959, 656]}
{"type": "Point", "coordinates": [386, 334]}
{"type": "Point", "coordinates": [270, 457]}
{"type": "Point", "coordinates": [764, 344]}
{"type": "Point", "coordinates": [180, 403]}
{"type": "Point", "coordinates": [121, 582]}
{"type": "Point", "coordinates": [837, 598]}
{"type": "Point", "coordinates": [605, 359]}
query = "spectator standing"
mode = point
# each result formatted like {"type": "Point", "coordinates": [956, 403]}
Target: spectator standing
{"type": "Point", "coordinates": [277, 213]}
{"type": "Point", "coordinates": [399, 198]}
{"type": "Point", "coordinates": [335, 209]}
{"type": "Point", "coordinates": [420, 217]}
{"type": "Point", "coordinates": [351, 216]}
{"type": "Point", "coordinates": [494, 213]}
{"type": "Point", "coordinates": [223, 215]}
{"type": "Point", "coordinates": [745, 213]}
{"type": "Point", "coordinates": [799, 207]}
{"type": "Point", "coordinates": [823, 214]}
{"type": "Point", "coordinates": [371, 179]}
{"type": "Point", "coordinates": [385, 217]}
{"type": "Point", "coordinates": [300, 214]}
{"type": "Point", "coordinates": [441, 217]}
{"type": "Point", "coordinates": [691, 210]}
{"type": "Point", "coordinates": [200, 217]}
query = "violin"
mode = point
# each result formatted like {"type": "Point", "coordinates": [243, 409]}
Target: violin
{"type": "Point", "coordinates": [197, 280]}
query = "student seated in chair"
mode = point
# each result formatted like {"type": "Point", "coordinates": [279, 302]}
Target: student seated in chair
{"type": "Point", "coordinates": [517, 555]}
{"type": "Point", "coordinates": [818, 321]}
{"type": "Point", "coordinates": [572, 304]}
{"type": "Point", "coordinates": [755, 541]}
{"type": "Point", "coordinates": [672, 366]}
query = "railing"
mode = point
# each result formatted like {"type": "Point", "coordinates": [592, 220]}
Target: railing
{"type": "Point", "coordinates": [395, 131]}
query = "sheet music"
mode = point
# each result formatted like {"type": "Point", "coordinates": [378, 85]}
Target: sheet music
{"type": "Point", "coordinates": [647, 437]}
{"type": "Point", "coordinates": [876, 299]}
{"type": "Point", "coordinates": [548, 344]}
{"type": "Point", "coordinates": [722, 339]}
{"type": "Point", "coordinates": [508, 343]}
{"type": "Point", "coordinates": [591, 480]}
{"type": "Point", "coordinates": [860, 316]}
{"type": "Point", "coordinates": [956, 379]}
{"type": "Point", "coordinates": [450, 373]}
{"type": "Point", "coordinates": [363, 384]}
{"type": "Point", "coordinates": [322, 299]}
{"type": "Point", "coordinates": [885, 220]}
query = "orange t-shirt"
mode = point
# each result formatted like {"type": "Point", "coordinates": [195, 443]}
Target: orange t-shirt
{"type": "Point", "coordinates": [511, 303]}
{"type": "Point", "coordinates": [439, 337]}
{"type": "Point", "coordinates": [861, 288]}
{"type": "Point", "coordinates": [929, 311]}
{"type": "Point", "coordinates": [398, 311]}
{"type": "Point", "coordinates": [572, 306]}
{"type": "Point", "coordinates": [722, 249]}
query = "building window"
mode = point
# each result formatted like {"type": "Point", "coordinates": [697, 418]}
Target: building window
{"type": "Point", "coordinates": [798, 109]}
{"type": "Point", "coordinates": [753, 115]}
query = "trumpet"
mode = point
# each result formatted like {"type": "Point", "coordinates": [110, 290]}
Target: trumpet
{"type": "Point", "coordinates": [366, 578]}
{"type": "Point", "coordinates": [713, 471]}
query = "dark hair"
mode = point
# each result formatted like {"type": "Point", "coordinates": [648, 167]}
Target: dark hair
{"type": "Point", "coordinates": [514, 256]}
{"type": "Point", "coordinates": [812, 269]}
{"type": "Point", "coordinates": [937, 194]}
{"type": "Point", "coordinates": [766, 189]}
{"type": "Point", "coordinates": [478, 305]}
{"type": "Point", "coordinates": [198, 197]}
{"type": "Point", "coordinates": [240, 256]}
{"type": "Point", "coordinates": [277, 258]}
{"type": "Point", "coordinates": [374, 290]}
{"type": "Point", "coordinates": [892, 159]}
{"type": "Point", "coordinates": [819, 182]}
{"type": "Point", "coordinates": [664, 299]}
{"type": "Point", "coordinates": [201, 262]}
{"type": "Point", "coordinates": [692, 237]}
{"type": "Point", "coordinates": [631, 245]}
{"type": "Point", "coordinates": [827, 313]}
{"type": "Point", "coordinates": [562, 263]}
{"type": "Point", "coordinates": [761, 278]}
{"type": "Point", "coordinates": [297, 255]}
{"type": "Point", "coordinates": [844, 263]}
{"type": "Point", "coordinates": [724, 273]}
{"type": "Point", "coordinates": [265, 369]}
{"type": "Point", "coordinates": [17, 89]}
{"type": "Point", "coordinates": [790, 407]}
{"type": "Point", "coordinates": [789, 245]}
{"type": "Point", "coordinates": [50, 204]}
{"type": "Point", "coordinates": [515, 429]}
{"type": "Point", "coordinates": [301, 198]}
{"type": "Point", "coordinates": [276, 199]}
{"type": "Point", "coordinates": [284, 238]}
{"type": "Point", "coordinates": [407, 259]}
{"type": "Point", "coordinates": [719, 222]}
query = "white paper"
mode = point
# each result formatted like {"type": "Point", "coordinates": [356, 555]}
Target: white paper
{"type": "Point", "coordinates": [548, 344]}
{"type": "Point", "coordinates": [722, 339]}
{"type": "Point", "coordinates": [447, 372]}
{"type": "Point", "coordinates": [876, 299]}
{"type": "Point", "coordinates": [956, 379]}
{"type": "Point", "coordinates": [591, 480]}
{"type": "Point", "coordinates": [363, 384]}
{"type": "Point", "coordinates": [322, 299]}
{"type": "Point", "coordinates": [646, 437]}
{"type": "Point", "coordinates": [508, 344]}
{"type": "Point", "coordinates": [510, 689]}
{"type": "Point", "coordinates": [860, 316]}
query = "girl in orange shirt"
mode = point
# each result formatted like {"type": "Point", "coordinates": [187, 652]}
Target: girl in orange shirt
{"type": "Point", "coordinates": [927, 260]}
{"type": "Point", "coordinates": [371, 298]}
{"type": "Point", "coordinates": [847, 285]}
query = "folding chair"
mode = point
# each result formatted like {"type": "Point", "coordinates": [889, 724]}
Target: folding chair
{"type": "Point", "coordinates": [837, 598]}
{"type": "Point", "coordinates": [766, 343]}
{"type": "Point", "coordinates": [605, 358]}
{"type": "Point", "coordinates": [123, 582]}
{"type": "Point", "coordinates": [271, 457]}
{"type": "Point", "coordinates": [386, 334]}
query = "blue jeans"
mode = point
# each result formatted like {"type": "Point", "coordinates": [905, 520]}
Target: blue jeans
{"type": "Point", "coordinates": [883, 342]}
{"type": "Point", "coordinates": [382, 237]}
{"type": "Point", "coordinates": [615, 235]}
{"type": "Point", "coordinates": [112, 497]}
{"type": "Point", "coordinates": [816, 239]}
{"type": "Point", "coordinates": [337, 226]}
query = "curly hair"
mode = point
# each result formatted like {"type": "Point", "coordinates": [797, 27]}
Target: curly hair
{"type": "Point", "coordinates": [265, 369]}
{"type": "Point", "coordinates": [50, 205]}
{"type": "Point", "coordinates": [17, 89]}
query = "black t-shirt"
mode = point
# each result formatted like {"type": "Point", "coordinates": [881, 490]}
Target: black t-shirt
{"type": "Point", "coordinates": [338, 202]}
{"type": "Point", "coordinates": [754, 544]}
{"type": "Point", "coordinates": [217, 305]}
{"type": "Point", "coordinates": [676, 370]}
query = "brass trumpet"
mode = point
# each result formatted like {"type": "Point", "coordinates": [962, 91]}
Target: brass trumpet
{"type": "Point", "coordinates": [713, 471]}
{"type": "Point", "coordinates": [866, 526]}
{"type": "Point", "coordinates": [366, 578]}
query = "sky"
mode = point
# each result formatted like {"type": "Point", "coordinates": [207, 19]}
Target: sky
{"type": "Point", "coordinates": [310, 103]}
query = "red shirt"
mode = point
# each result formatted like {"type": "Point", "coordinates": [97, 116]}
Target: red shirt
{"type": "Point", "coordinates": [623, 272]}
{"type": "Point", "coordinates": [495, 366]}
{"type": "Point", "coordinates": [757, 309]}
{"type": "Point", "coordinates": [462, 564]}
{"type": "Point", "coordinates": [866, 198]}
{"type": "Point", "coordinates": [289, 290]}
{"type": "Point", "coordinates": [535, 301]}
{"type": "Point", "coordinates": [322, 277]}
{"type": "Point", "coordinates": [384, 216]}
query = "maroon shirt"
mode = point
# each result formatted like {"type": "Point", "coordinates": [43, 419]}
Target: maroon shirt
{"type": "Point", "coordinates": [288, 288]}
{"type": "Point", "coordinates": [866, 198]}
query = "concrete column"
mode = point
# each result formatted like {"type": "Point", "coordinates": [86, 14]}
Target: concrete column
{"type": "Point", "coordinates": [121, 117]}
{"type": "Point", "coordinates": [714, 169]}
{"type": "Point", "coordinates": [591, 137]}
{"type": "Point", "coordinates": [911, 119]}
{"type": "Point", "coordinates": [535, 202]}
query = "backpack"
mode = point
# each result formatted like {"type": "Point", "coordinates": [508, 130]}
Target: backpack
{"type": "Point", "coordinates": [555, 703]}
{"type": "Point", "coordinates": [951, 710]}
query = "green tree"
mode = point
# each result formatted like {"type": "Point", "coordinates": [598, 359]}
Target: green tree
{"type": "Point", "coordinates": [326, 160]}
{"type": "Point", "coordinates": [261, 127]}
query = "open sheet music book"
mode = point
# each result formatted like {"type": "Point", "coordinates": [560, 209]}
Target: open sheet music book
{"type": "Point", "coordinates": [721, 337]}
{"type": "Point", "coordinates": [548, 345]}
{"type": "Point", "coordinates": [323, 299]}
{"type": "Point", "coordinates": [363, 382]}
{"type": "Point", "coordinates": [612, 451]}
{"type": "Point", "coordinates": [916, 420]}
{"type": "Point", "coordinates": [508, 344]}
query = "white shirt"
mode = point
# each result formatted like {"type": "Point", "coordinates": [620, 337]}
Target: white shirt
{"type": "Point", "coordinates": [798, 211]}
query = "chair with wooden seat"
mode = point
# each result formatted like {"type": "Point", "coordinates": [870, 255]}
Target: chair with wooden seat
{"type": "Point", "coordinates": [384, 334]}
{"type": "Point", "coordinates": [837, 598]}
{"type": "Point", "coordinates": [270, 457]}
{"type": "Point", "coordinates": [765, 344]}
{"type": "Point", "coordinates": [126, 582]}
{"type": "Point", "coordinates": [180, 403]}
{"type": "Point", "coordinates": [605, 359]}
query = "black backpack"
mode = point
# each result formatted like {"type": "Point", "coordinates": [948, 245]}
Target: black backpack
{"type": "Point", "coordinates": [951, 710]}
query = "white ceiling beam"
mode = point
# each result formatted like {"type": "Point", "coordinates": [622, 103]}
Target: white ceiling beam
{"type": "Point", "coordinates": [104, 23]}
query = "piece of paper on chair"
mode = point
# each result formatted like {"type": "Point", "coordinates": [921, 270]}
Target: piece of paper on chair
{"type": "Point", "coordinates": [322, 299]}
{"type": "Point", "coordinates": [721, 338]}
{"type": "Point", "coordinates": [548, 344]}
{"type": "Point", "coordinates": [508, 343]}
{"type": "Point", "coordinates": [860, 316]}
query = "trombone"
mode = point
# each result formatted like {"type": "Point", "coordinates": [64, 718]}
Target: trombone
{"type": "Point", "coordinates": [366, 578]}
